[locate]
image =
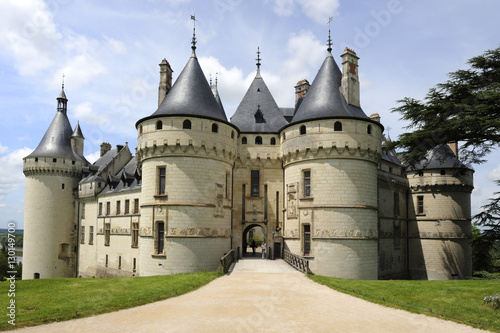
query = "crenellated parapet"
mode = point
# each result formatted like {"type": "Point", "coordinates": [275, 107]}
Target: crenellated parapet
{"type": "Point", "coordinates": [35, 166]}
{"type": "Point", "coordinates": [331, 138]}
{"type": "Point", "coordinates": [167, 136]}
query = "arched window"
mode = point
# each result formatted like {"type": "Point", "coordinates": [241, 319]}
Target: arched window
{"type": "Point", "coordinates": [258, 140]}
{"type": "Point", "coordinates": [273, 141]}
{"type": "Point", "coordinates": [302, 130]}
{"type": "Point", "coordinates": [369, 129]}
{"type": "Point", "coordinates": [186, 124]}
{"type": "Point", "coordinates": [337, 127]}
{"type": "Point", "coordinates": [232, 134]}
{"type": "Point", "coordinates": [159, 125]}
{"type": "Point", "coordinates": [244, 140]}
{"type": "Point", "coordinates": [215, 128]}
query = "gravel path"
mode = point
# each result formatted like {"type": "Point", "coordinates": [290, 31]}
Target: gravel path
{"type": "Point", "coordinates": [259, 296]}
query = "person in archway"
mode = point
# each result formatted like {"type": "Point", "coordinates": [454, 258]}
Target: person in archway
{"type": "Point", "coordinates": [263, 250]}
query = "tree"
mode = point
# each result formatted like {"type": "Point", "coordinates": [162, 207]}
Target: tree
{"type": "Point", "coordinates": [465, 108]}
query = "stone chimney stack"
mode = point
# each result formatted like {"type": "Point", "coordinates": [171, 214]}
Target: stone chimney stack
{"type": "Point", "coordinates": [454, 147]}
{"type": "Point", "coordinates": [105, 147]}
{"type": "Point", "coordinates": [350, 78]}
{"type": "Point", "coordinates": [301, 90]}
{"type": "Point", "coordinates": [375, 117]}
{"type": "Point", "coordinates": [165, 80]}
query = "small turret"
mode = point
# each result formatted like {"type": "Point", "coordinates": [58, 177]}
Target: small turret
{"type": "Point", "coordinates": [77, 139]}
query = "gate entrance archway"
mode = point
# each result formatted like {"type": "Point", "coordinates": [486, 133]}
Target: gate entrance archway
{"type": "Point", "coordinates": [253, 230]}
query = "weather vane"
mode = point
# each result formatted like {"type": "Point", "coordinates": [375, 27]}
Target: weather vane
{"type": "Point", "coordinates": [193, 17]}
{"type": "Point", "coordinates": [330, 19]}
{"type": "Point", "coordinates": [258, 58]}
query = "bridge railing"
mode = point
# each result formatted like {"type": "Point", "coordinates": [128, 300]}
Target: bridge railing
{"type": "Point", "coordinates": [299, 263]}
{"type": "Point", "coordinates": [232, 256]}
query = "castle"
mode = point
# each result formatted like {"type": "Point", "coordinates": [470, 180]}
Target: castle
{"type": "Point", "coordinates": [316, 178]}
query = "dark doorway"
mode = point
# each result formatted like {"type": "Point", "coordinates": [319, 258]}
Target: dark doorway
{"type": "Point", "coordinates": [256, 232]}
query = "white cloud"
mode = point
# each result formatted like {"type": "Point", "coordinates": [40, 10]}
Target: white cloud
{"type": "Point", "coordinates": [12, 177]}
{"type": "Point", "coordinates": [320, 10]}
{"type": "Point", "coordinates": [284, 7]}
{"type": "Point", "coordinates": [93, 157]}
{"type": "Point", "coordinates": [3, 149]}
{"type": "Point", "coordinates": [494, 174]}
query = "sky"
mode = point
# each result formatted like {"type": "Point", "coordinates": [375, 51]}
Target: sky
{"type": "Point", "coordinates": [109, 53]}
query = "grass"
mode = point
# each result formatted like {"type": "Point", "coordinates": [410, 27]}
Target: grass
{"type": "Point", "coordinates": [457, 300]}
{"type": "Point", "coordinates": [49, 300]}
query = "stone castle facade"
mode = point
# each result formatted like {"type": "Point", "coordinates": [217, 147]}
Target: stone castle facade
{"type": "Point", "coordinates": [315, 177]}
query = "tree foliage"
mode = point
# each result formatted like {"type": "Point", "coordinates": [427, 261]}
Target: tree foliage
{"type": "Point", "coordinates": [465, 108]}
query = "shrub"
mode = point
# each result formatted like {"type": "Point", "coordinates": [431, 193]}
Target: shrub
{"type": "Point", "coordinates": [492, 302]}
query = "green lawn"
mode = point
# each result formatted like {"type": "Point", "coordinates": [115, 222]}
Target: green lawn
{"type": "Point", "coordinates": [457, 300]}
{"type": "Point", "coordinates": [48, 300]}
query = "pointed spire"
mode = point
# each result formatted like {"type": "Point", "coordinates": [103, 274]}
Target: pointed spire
{"type": "Point", "coordinates": [258, 60]}
{"type": "Point", "coordinates": [78, 131]}
{"type": "Point", "coordinates": [193, 42]}
{"type": "Point", "coordinates": [329, 49]}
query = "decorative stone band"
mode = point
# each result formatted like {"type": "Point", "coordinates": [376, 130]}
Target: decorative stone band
{"type": "Point", "coordinates": [186, 204]}
{"type": "Point", "coordinates": [440, 235]}
{"type": "Point", "coordinates": [267, 160]}
{"type": "Point", "coordinates": [337, 206]}
{"type": "Point", "coordinates": [199, 232]}
{"type": "Point", "coordinates": [213, 150]}
{"type": "Point", "coordinates": [336, 234]}
{"type": "Point", "coordinates": [298, 155]}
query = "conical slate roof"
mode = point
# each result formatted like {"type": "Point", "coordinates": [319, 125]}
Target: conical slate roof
{"type": "Point", "coordinates": [324, 98]}
{"type": "Point", "coordinates": [56, 141]}
{"type": "Point", "coordinates": [78, 131]}
{"type": "Point", "coordinates": [258, 111]}
{"type": "Point", "coordinates": [190, 95]}
{"type": "Point", "coordinates": [441, 157]}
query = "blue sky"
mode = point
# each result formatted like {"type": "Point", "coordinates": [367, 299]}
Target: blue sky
{"type": "Point", "coordinates": [109, 52]}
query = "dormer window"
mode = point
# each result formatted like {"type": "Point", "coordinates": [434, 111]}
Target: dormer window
{"type": "Point", "coordinates": [259, 116]}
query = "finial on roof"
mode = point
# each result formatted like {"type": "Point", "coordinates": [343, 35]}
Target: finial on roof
{"type": "Point", "coordinates": [193, 46]}
{"type": "Point", "coordinates": [216, 79]}
{"type": "Point", "coordinates": [329, 49]}
{"type": "Point", "coordinates": [63, 82]}
{"type": "Point", "coordinates": [210, 79]}
{"type": "Point", "coordinates": [258, 59]}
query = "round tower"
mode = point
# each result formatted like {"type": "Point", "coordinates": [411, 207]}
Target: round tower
{"type": "Point", "coordinates": [52, 173]}
{"type": "Point", "coordinates": [187, 150]}
{"type": "Point", "coordinates": [440, 217]}
{"type": "Point", "coordinates": [330, 152]}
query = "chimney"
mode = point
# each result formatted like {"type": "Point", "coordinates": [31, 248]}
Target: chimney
{"type": "Point", "coordinates": [105, 147]}
{"type": "Point", "coordinates": [350, 78]}
{"type": "Point", "coordinates": [165, 80]}
{"type": "Point", "coordinates": [301, 90]}
{"type": "Point", "coordinates": [454, 147]}
{"type": "Point", "coordinates": [375, 117]}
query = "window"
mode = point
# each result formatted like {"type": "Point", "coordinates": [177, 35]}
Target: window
{"type": "Point", "coordinates": [307, 184]}
{"type": "Point", "coordinates": [100, 208]}
{"type": "Point", "coordinates": [107, 233]}
{"type": "Point", "coordinates": [254, 183]}
{"type": "Point", "coordinates": [244, 140]}
{"type": "Point", "coordinates": [62, 186]}
{"type": "Point", "coordinates": [215, 128]}
{"type": "Point", "coordinates": [258, 140]}
{"type": "Point", "coordinates": [443, 172]}
{"type": "Point", "coordinates": [160, 237]}
{"type": "Point", "coordinates": [135, 234]}
{"type": "Point", "coordinates": [106, 263]}
{"type": "Point", "coordinates": [186, 124]}
{"type": "Point", "coordinates": [227, 186]}
{"type": "Point", "coordinates": [420, 204]}
{"type": "Point", "coordinates": [307, 239]}
{"type": "Point", "coordinates": [118, 207]}
{"type": "Point", "coordinates": [420, 173]}
{"type": "Point", "coordinates": [337, 127]}
{"type": "Point", "coordinates": [369, 129]}
{"type": "Point", "coordinates": [82, 236]}
{"type": "Point", "coordinates": [396, 204]}
{"type": "Point", "coordinates": [140, 130]}
{"type": "Point", "coordinates": [91, 235]}
{"type": "Point", "coordinates": [108, 208]}
{"type": "Point", "coordinates": [119, 262]}
{"type": "Point", "coordinates": [54, 160]}
{"type": "Point", "coordinates": [302, 130]}
{"type": "Point", "coordinates": [232, 134]}
{"type": "Point", "coordinates": [259, 116]}
{"type": "Point", "coordinates": [136, 206]}
{"type": "Point", "coordinates": [161, 180]}
{"type": "Point", "coordinates": [159, 125]}
{"type": "Point", "coordinates": [83, 210]}
{"type": "Point", "coordinates": [134, 267]}
{"type": "Point", "coordinates": [127, 207]}
{"type": "Point", "coordinates": [273, 141]}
